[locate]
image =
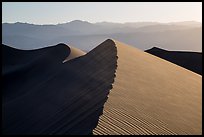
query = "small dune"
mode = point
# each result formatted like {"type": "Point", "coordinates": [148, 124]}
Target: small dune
{"type": "Point", "coordinates": [74, 52]}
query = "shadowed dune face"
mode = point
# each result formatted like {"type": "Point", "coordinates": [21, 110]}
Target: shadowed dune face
{"type": "Point", "coordinates": [42, 95]}
{"type": "Point", "coordinates": [151, 96]}
{"type": "Point", "coordinates": [18, 66]}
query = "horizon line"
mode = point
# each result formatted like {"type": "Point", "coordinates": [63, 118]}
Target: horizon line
{"type": "Point", "coordinates": [101, 22]}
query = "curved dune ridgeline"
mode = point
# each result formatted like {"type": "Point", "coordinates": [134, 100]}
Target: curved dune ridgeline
{"type": "Point", "coordinates": [151, 96]}
{"type": "Point", "coordinates": [113, 89]}
{"type": "Point", "coordinates": [42, 95]}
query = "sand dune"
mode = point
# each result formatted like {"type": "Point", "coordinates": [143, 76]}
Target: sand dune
{"type": "Point", "coordinates": [151, 96]}
{"type": "Point", "coordinates": [113, 89]}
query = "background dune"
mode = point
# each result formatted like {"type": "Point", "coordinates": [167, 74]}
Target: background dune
{"type": "Point", "coordinates": [74, 52]}
{"type": "Point", "coordinates": [189, 60]}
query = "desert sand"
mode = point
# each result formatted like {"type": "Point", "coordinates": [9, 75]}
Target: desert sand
{"type": "Point", "coordinates": [113, 89]}
{"type": "Point", "coordinates": [151, 96]}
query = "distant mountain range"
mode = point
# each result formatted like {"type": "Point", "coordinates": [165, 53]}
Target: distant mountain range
{"type": "Point", "coordinates": [84, 35]}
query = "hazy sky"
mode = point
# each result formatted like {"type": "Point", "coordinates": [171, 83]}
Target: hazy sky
{"type": "Point", "coordinates": [61, 12]}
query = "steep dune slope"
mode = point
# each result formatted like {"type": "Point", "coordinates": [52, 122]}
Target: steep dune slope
{"type": "Point", "coordinates": [42, 95]}
{"type": "Point", "coordinates": [151, 96]}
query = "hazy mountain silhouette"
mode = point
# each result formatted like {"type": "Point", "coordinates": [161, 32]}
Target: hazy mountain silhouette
{"type": "Point", "coordinates": [187, 23]}
{"type": "Point", "coordinates": [85, 35]}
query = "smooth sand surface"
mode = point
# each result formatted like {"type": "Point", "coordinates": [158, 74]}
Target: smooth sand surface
{"type": "Point", "coordinates": [151, 96]}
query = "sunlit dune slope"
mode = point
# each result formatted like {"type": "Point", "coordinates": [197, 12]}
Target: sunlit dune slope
{"type": "Point", "coordinates": [151, 96]}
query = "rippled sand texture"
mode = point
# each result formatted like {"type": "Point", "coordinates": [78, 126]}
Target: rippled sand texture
{"type": "Point", "coordinates": [151, 96]}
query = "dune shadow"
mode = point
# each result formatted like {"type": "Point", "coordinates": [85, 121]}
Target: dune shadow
{"type": "Point", "coordinates": [59, 98]}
